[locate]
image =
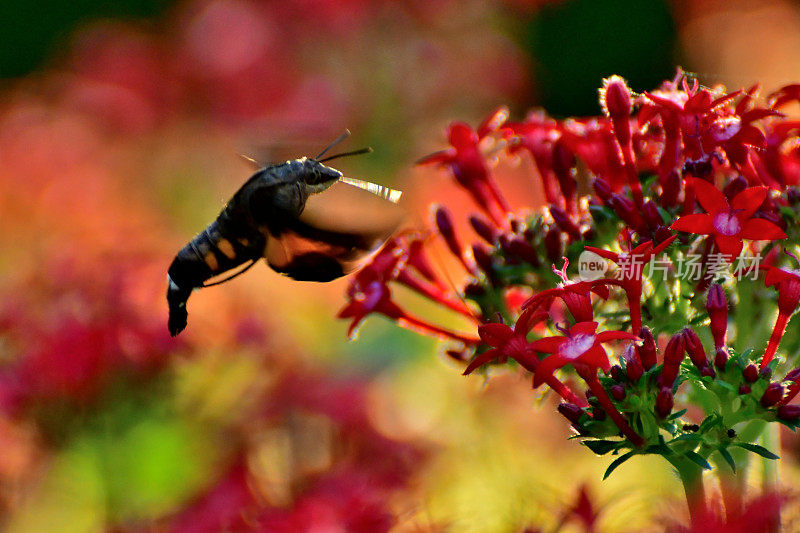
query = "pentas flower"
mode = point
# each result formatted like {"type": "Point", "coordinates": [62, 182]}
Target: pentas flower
{"type": "Point", "coordinates": [580, 345]}
{"type": "Point", "coordinates": [513, 343]}
{"type": "Point", "coordinates": [788, 286]}
{"type": "Point", "coordinates": [469, 166]}
{"type": "Point", "coordinates": [631, 279]}
{"type": "Point", "coordinates": [576, 296]}
{"type": "Point", "coordinates": [403, 260]}
{"type": "Point", "coordinates": [728, 223]}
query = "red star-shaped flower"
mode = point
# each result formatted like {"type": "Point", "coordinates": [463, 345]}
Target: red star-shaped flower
{"type": "Point", "coordinates": [507, 342]}
{"type": "Point", "coordinates": [729, 223]}
{"type": "Point", "coordinates": [580, 345]}
{"type": "Point", "coordinates": [788, 286]}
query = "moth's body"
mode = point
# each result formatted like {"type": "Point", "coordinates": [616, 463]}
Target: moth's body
{"type": "Point", "coordinates": [264, 219]}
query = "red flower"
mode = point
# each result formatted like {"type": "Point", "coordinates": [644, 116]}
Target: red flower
{"type": "Point", "coordinates": [469, 166]}
{"type": "Point", "coordinates": [729, 223]}
{"type": "Point", "coordinates": [788, 286]}
{"type": "Point", "coordinates": [631, 275]}
{"type": "Point", "coordinates": [507, 342]}
{"type": "Point", "coordinates": [581, 345]}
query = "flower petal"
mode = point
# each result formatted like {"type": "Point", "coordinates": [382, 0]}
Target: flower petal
{"type": "Point", "coordinates": [548, 344]}
{"type": "Point", "coordinates": [606, 336]}
{"type": "Point", "coordinates": [709, 197]}
{"type": "Point", "coordinates": [748, 201]}
{"type": "Point", "coordinates": [482, 359]}
{"type": "Point", "coordinates": [585, 328]}
{"type": "Point", "coordinates": [495, 334]}
{"type": "Point", "coordinates": [698, 223]}
{"type": "Point", "coordinates": [729, 246]}
{"type": "Point", "coordinates": [546, 367]}
{"type": "Point", "coordinates": [758, 229]}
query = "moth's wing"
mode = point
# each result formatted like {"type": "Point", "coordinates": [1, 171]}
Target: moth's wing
{"type": "Point", "coordinates": [338, 229]}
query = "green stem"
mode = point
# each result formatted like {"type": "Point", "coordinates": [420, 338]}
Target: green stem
{"type": "Point", "coordinates": [691, 476]}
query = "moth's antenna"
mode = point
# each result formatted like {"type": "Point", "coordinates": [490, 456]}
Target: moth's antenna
{"type": "Point", "coordinates": [338, 139]}
{"type": "Point", "coordinates": [251, 161]}
{"type": "Point", "coordinates": [344, 154]}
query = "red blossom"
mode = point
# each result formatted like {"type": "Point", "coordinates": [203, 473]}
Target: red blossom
{"type": "Point", "coordinates": [788, 286]}
{"type": "Point", "coordinates": [469, 165]}
{"type": "Point", "coordinates": [728, 223]}
{"type": "Point", "coordinates": [631, 279]}
{"type": "Point", "coordinates": [581, 345]}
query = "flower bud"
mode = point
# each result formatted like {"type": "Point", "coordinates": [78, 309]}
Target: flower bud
{"type": "Point", "coordinates": [750, 373]}
{"type": "Point", "coordinates": [647, 350]}
{"type": "Point", "coordinates": [602, 189]}
{"type": "Point", "coordinates": [553, 244]}
{"type": "Point", "coordinates": [772, 395]}
{"type": "Point", "coordinates": [483, 228]}
{"type": "Point", "coordinates": [789, 412]}
{"type": "Point", "coordinates": [625, 210]}
{"type": "Point", "coordinates": [673, 355]}
{"type": "Point", "coordinates": [744, 389]}
{"type": "Point", "coordinates": [721, 358]}
{"type": "Point", "coordinates": [633, 366]}
{"type": "Point", "coordinates": [564, 222]}
{"type": "Point", "coordinates": [664, 402]}
{"type": "Point", "coordinates": [615, 97]}
{"type": "Point", "coordinates": [444, 223]}
{"type": "Point", "coordinates": [483, 258]}
{"type": "Point", "coordinates": [474, 289]}
{"type": "Point", "coordinates": [661, 234]}
{"type": "Point", "coordinates": [765, 372]}
{"type": "Point", "coordinates": [708, 372]}
{"type": "Point", "coordinates": [734, 187]}
{"type": "Point", "coordinates": [517, 247]}
{"type": "Point", "coordinates": [563, 161]}
{"type": "Point", "coordinates": [670, 189]}
{"type": "Point", "coordinates": [717, 307]}
{"type": "Point", "coordinates": [694, 348]}
{"type": "Point", "coordinates": [570, 411]}
{"type": "Point", "coordinates": [618, 392]}
{"type": "Point", "coordinates": [651, 215]}
{"type": "Point", "coordinates": [616, 373]}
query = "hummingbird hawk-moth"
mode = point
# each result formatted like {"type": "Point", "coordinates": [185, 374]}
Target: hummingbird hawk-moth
{"type": "Point", "coordinates": [280, 215]}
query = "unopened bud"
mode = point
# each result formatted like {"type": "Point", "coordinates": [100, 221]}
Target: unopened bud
{"type": "Point", "coordinates": [602, 189]}
{"type": "Point", "coordinates": [673, 355]}
{"type": "Point", "coordinates": [570, 411]}
{"type": "Point", "coordinates": [670, 189]}
{"type": "Point", "coordinates": [664, 402]}
{"type": "Point", "coordinates": [647, 350]}
{"type": "Point", "coordinates": [483, 228]}
{"type": "Point", "coordinates": [553, 245]}
{"type": "Point", "coordinates": [717, 307]}
{"type": "Point", "coordinates": [563, 221]}
{"type": "Point", "coordinates": [633, 366]}
{"type": "Point", "coordinates": [734, 187]}
{"type": "Point", "coordinates": [721, 358]}
{"type": "Point", "coordinates": [694, 348]}
{"type": "Point", "coordinates": [772, 395]}
{"type": "Point", "coordinates": [750, 373]}
{"type": "Point", "coordinates": [618, 392]}
{"type": "Point", "coordinates": [789, 412]}
{"type": "Point", "coordinates": [615, 97]}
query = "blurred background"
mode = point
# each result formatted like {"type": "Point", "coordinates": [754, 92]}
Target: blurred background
{"type": "Point", "coordinates": [120, 124]}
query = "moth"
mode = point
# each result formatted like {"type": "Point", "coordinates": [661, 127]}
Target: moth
{"type": "Point", "coordinates": [295, 216]}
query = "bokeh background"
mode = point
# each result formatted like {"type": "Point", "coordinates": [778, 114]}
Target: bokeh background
{"type": "Point", "coordinates": [120, 124]}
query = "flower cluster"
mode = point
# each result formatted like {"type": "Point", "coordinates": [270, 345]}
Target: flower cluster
{"type": "Point", "coordinates": [671, 366]}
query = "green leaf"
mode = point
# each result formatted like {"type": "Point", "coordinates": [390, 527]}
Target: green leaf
{"type": "Point", "coordinates": [618, 461]}
{"type": "Point", "coordinates": [755, 448]}
{"type": "Point", "coordinates": [600, 447]}
{"type": "Point", "coordinates": [787, 212]}
{"type": "Point", "coordinates": [679, 414]}
{"type": "Point", "coordinates": [728, 458]}
{"type": "Point", "coordinates": [709, 422]}
{"type": "Point", "coordinates": [698, 460]}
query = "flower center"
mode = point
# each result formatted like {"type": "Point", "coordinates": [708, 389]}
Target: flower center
{"type": "Point", "coordinates": [577, 346]}
{"type": "Point", "coordinates": [726, 223]}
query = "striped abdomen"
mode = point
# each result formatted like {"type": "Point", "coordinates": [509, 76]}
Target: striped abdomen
{"type": "Point", "coordinates": [220, 247]}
